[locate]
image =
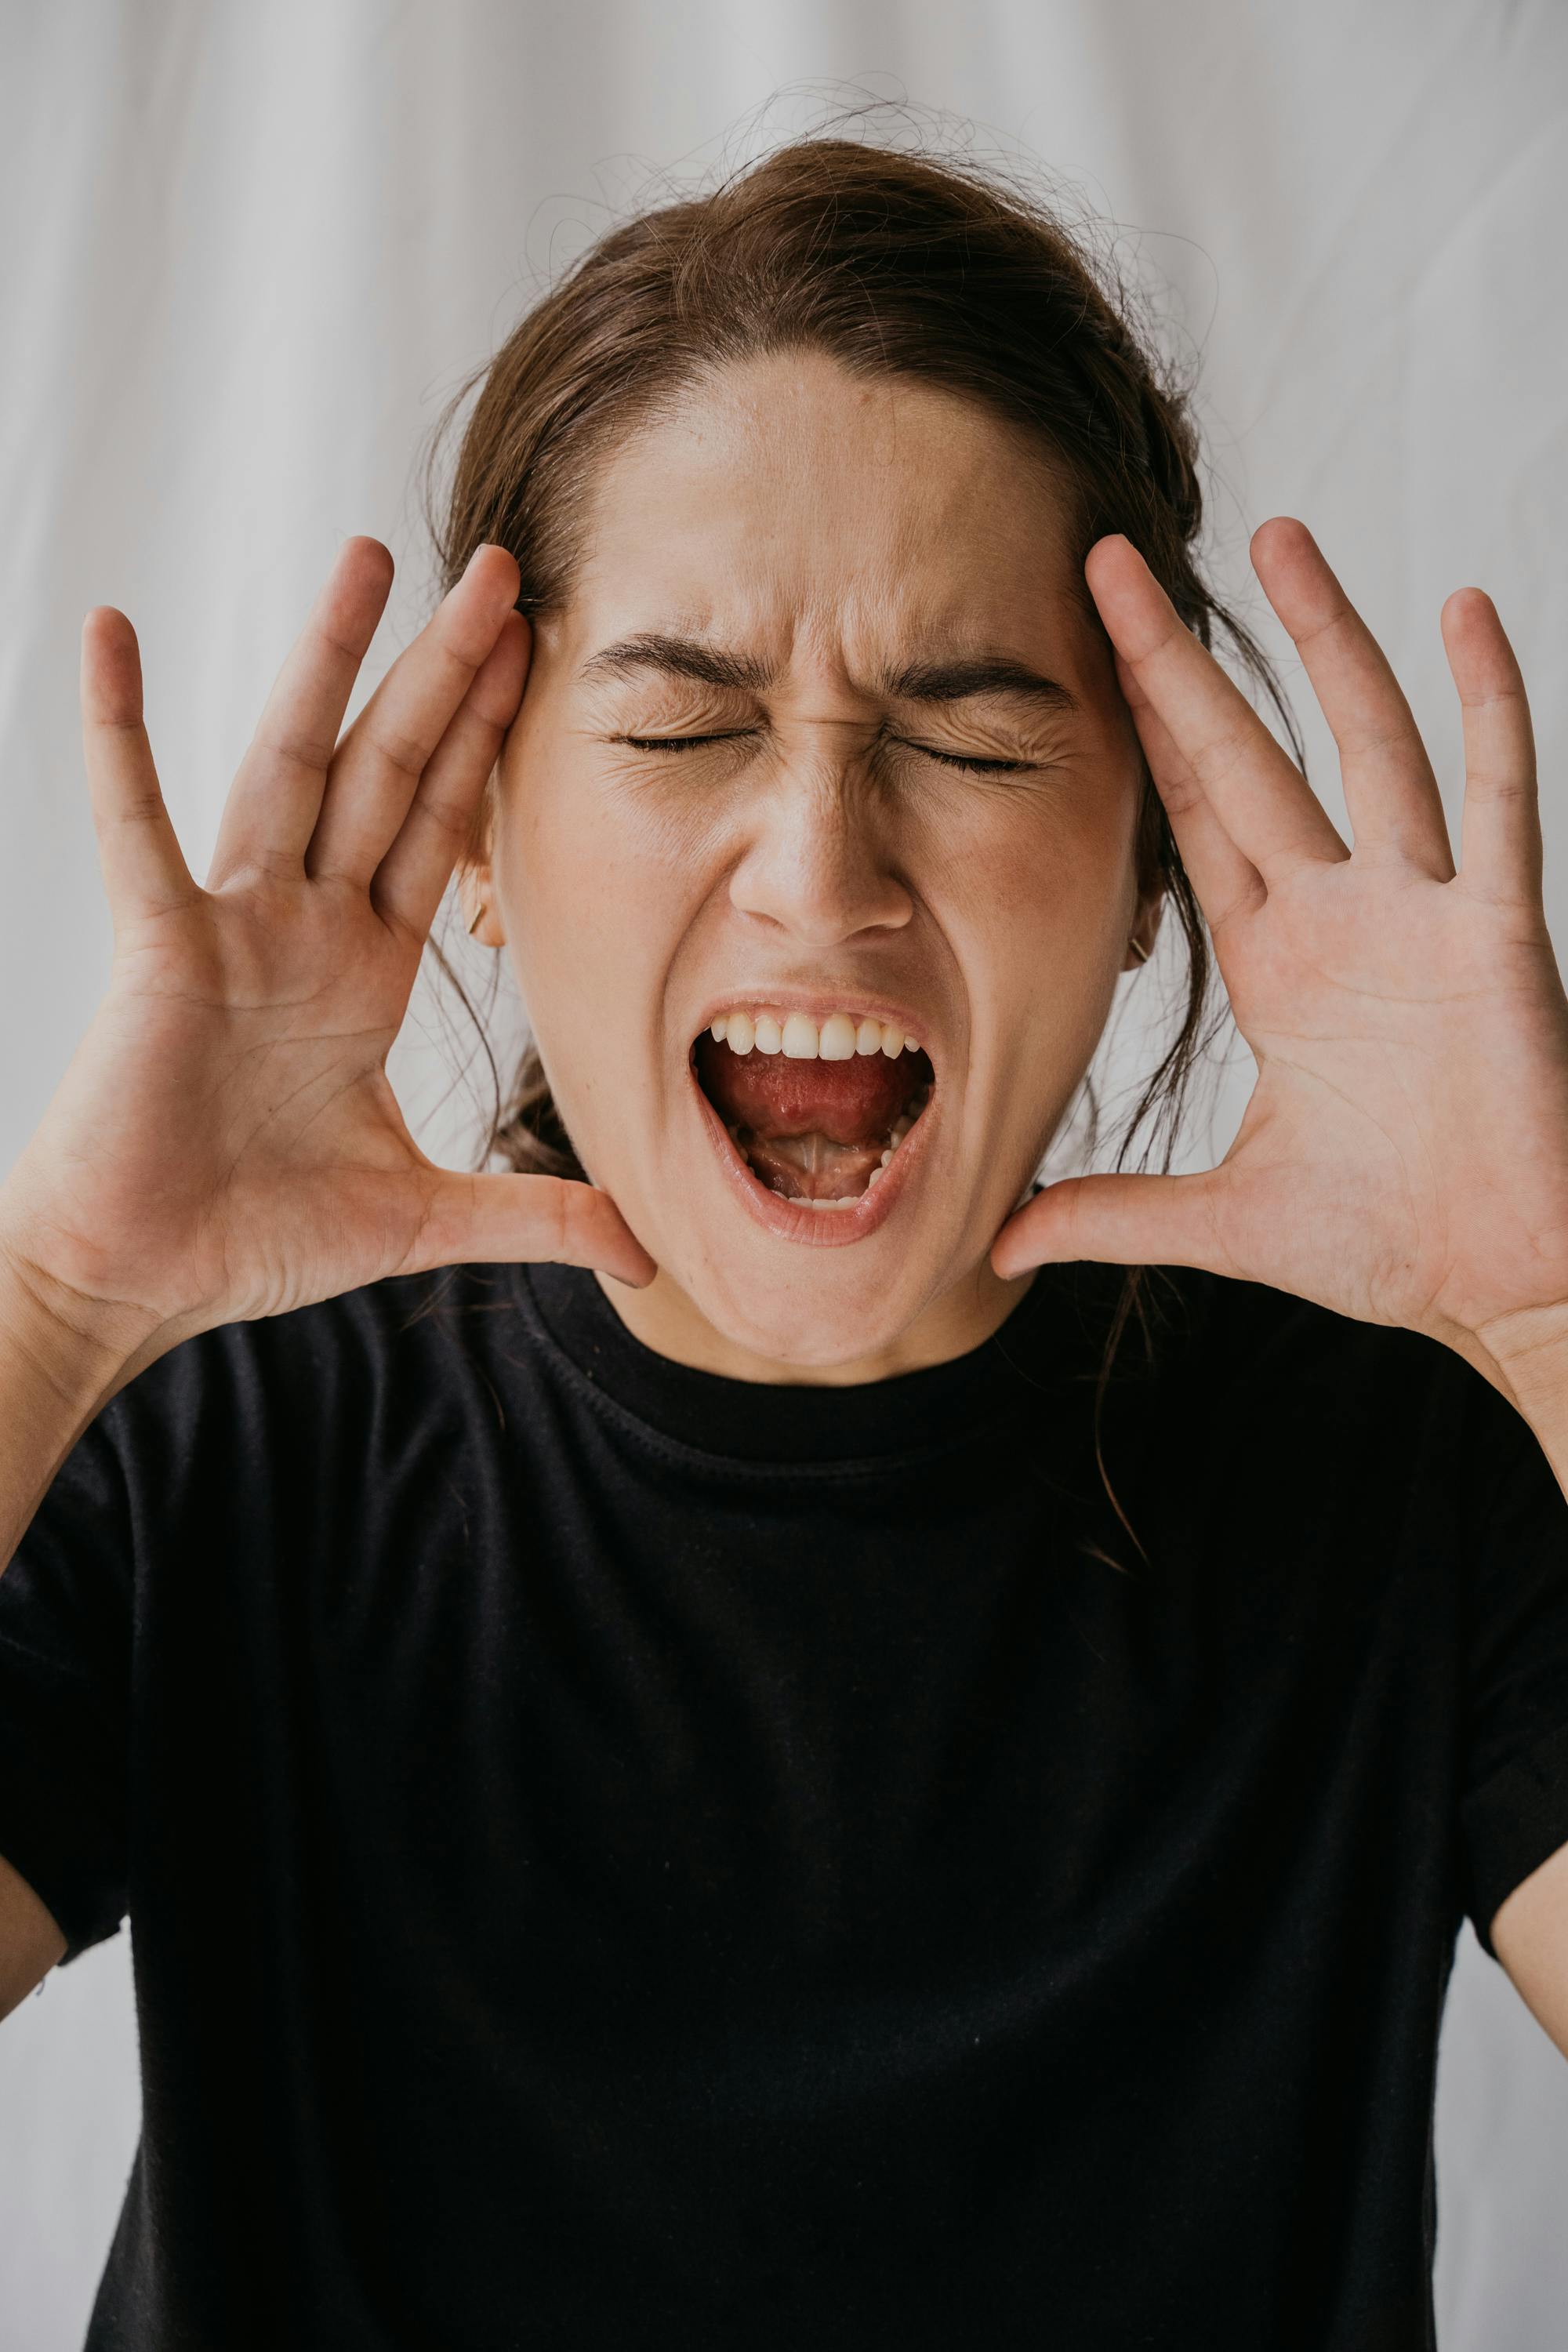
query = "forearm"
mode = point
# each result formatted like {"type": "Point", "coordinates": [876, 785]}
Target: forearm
{"type": "Point", "coordinates": [62, 1359]}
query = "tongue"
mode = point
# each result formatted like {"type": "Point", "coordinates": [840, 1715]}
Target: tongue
{"type": "Point", "coordinates": [814, 1129]}
{"type": "Point", "coordinates": [848, 1102]}
{"type": "Point", "coordinates": [813, 1167]}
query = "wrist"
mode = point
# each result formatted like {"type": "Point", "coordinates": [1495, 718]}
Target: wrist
{"type": "Point", "coordinates": [62, 1358]}
{"type": "Point", "coordinates": [1529, 1349]}
{"type": "Point", "coordinates": [1525, 1355]}
{"type": "Point", "coordinates": [79, 1342]}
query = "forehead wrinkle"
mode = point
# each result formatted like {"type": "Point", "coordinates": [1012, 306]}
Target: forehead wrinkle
{"type": "Point", "coordinates": [941, 660]}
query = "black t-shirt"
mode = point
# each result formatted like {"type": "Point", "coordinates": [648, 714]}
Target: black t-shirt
{"type": "Point", "coordinates": [619, 1857]}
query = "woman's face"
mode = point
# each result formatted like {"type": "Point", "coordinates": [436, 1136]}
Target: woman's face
{"type": "Point", "coordinates": [823, 750]}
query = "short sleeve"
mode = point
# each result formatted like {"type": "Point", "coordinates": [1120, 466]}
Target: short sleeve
{"type": "Point", "coordinates": [1514, 1806]}
{"type": "Point", "coordinates": [65, 1705]}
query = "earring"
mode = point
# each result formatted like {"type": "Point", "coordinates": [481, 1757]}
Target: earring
{"type": "Point", "coordinates": [1138, 950]}
{"type": "Point", "coordinates": [478, 919]}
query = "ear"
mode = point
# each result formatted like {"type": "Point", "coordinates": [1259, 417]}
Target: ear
{"type": "Point", "coordinates": [475, 881]}
{"type": "Point", "coordinates": [1149, 871]}
{"type": "Point", "coordinates": [1145, 926]}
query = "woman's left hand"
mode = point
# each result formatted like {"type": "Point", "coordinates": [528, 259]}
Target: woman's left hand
{"type": "Point", "coordinates": [1403, 1157]}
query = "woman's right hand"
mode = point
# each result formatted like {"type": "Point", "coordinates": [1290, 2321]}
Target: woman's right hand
{"type": "Point", "coordinates": [225, 1144]}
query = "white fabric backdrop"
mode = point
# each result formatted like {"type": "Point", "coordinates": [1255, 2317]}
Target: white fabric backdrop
{"type": "Point", "coordinates": [245, 252]}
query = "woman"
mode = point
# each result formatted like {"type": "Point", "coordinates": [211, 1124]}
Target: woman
{"type": "Point", "coordinates": [810, 1791]}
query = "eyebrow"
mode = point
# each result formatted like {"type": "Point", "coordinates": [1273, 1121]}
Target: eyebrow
{"type": "Point", "coordinates": [954, 680]}
{"type": "Point", "coordinates": [678, 657]}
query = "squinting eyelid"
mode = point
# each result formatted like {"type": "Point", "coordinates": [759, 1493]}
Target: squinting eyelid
{"type": "Point", "coordinates": [976, 764]}
{"type": "Point", "coordinates": [672, 738]}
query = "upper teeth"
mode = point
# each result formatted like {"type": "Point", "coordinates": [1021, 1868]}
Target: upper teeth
{"type": "Point", "coordinates": [836, 1039]}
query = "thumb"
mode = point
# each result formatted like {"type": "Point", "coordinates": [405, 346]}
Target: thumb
{"type": "Point", "coordinates": [529, 1220]}
{"type": "Point", "coordinates": [1116, 1221]}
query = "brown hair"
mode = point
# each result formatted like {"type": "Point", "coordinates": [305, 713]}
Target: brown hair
{"type": "Point", "coordinates": [895, 264]}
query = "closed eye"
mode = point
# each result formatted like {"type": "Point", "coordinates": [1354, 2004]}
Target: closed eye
{"type": "Point", "coordinates": [959, 760]}
{"type": "Point", "coordinates": [738, 734]}
{"type": "Point", "coordinates": [680, 742]}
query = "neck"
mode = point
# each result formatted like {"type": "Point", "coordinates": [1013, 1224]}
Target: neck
{"type": "Point", "coordinates": [666, 1319]}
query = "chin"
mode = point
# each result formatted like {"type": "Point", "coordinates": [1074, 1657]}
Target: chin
{"type": "Point", "coordinates": [822, 1325]}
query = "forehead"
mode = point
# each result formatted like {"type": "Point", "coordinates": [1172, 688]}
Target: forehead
{"type": "Point", "coordinates": [788, 497]}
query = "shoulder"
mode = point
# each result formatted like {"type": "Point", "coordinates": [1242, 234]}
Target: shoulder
{"type": "Point", "coordinates": [1241, 1333]}
{"type": "Point", "coordinates": [1294, 1379]}
{"type": "Point", "coordinates": [1216, 1363]}
{"type": "Point", "coordinates": [321, 1374]}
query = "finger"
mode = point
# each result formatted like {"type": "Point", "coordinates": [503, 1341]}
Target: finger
{"type": "Point", "coordinates": [1226, 883]}
{"type": "Point", "coordinates": [1259, 795]}
{"type": "Point", "coordinates": [1115, 1221]}
{"type": "Point", "coordinates": [415, 870]}
{"type": "Point", "coordinates": [144, 870]}
{"type": "Point", "coordinates": [276, 796]}
{"type": "Point", "coordinates": [377, 769]}
{"type": "Point", "coordinates": [1499, 850]}
{"type": "Point", "coordinates": [1391, 792]}
{"type": "Point", "coordinates": [530, 1221]}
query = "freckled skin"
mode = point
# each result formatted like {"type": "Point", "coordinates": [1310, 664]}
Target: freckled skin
{"type": "Point", "coordinates": [832, 530]}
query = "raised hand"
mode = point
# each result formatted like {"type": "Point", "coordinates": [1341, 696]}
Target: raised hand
{"type": "Point", "coordinates": [1403, 1157]}
{"type": "Point", "coordinates": [225, 1144]}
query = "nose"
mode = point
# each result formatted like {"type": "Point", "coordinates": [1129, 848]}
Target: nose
{"type": "Point", "coordinates": [819, 864]}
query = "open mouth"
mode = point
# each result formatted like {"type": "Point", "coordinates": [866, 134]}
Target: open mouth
{"type": "Point", "coordinates": [818, 1109]}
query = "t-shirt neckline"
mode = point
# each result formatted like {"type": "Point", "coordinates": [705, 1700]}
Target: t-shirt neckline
{"type": "Point", "coordinates": [908, 1414]}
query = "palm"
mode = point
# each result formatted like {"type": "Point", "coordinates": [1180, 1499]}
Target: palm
{"type": "Point", "coordinates": [225, 1144]}
{"type": "Point", "coordinates": [296, 1174]}
{"type": "Point", "coordinates": [1384, 1166]}
{"type": "Point", "coordinates": [1403, 1157]}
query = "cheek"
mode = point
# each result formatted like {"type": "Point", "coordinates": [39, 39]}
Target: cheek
{"type": "Point", "coordinates": [1034, 897]}
{"type": "Point", "coordinates": [1054, 868]}
{"type": "Point", "coordinates": [600, 889]}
